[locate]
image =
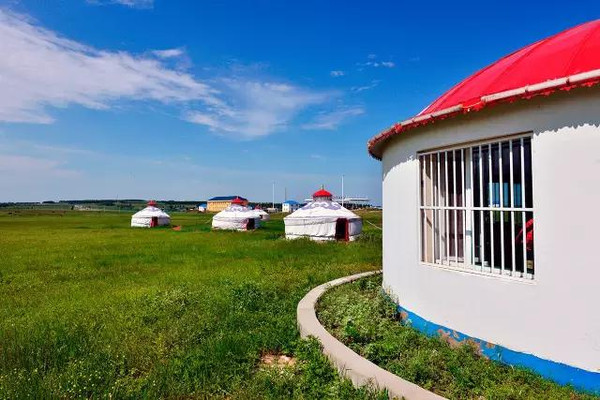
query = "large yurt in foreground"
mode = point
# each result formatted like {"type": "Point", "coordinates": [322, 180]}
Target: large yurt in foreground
{"type": "Point", "coordinates": [236, 217]}
{"type": "Point", "coordinates": [323, 219]}
{"type": "Point", "coordinates": [511, 150]}
{"type": "Point", "coordinates": [150, 217]}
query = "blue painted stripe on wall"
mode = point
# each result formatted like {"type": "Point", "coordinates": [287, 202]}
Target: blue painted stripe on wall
{"type": "Point", "coordinates": [561, 373]}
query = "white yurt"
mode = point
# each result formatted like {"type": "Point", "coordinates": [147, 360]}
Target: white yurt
{"type": "Point", "coordinates": [236, 217]}
{"type": "Point", "coordinates": [262, 214]}
{"type": "Point", "coordinates": [323, 219]}
{"type": "Point", "coordinates": [150, 217]}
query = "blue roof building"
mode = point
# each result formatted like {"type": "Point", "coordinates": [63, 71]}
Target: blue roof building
{"type": "Point", "coordinates": [289, 206]}
{"type": "Point", "coordinates": [225, 198]}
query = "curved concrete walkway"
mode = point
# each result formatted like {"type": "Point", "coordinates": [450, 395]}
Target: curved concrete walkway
{"type": "Point", "coordinates": [358, 369]}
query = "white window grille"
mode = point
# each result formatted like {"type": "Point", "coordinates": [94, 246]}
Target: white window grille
{"type": "Point", "coordinates": [476, 207]}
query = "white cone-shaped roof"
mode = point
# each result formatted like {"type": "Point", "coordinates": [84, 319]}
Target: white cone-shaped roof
{"type": "Point", "coordinates": [144, 218]}
{"type": "Point", "coordinates": [235, 217]}
{"type": "Point", "coordinates": [318, 219]}
{"type": "Point", "coordinates": [150, 212]}
{"type": "Point", "coordinates": [321, 210]}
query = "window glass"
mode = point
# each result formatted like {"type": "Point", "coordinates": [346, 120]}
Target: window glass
{"type": "Point", "coordinates": [476, 207]}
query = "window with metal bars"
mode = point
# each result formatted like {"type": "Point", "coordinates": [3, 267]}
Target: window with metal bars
{"type": "Point", "coordinates": [476, 207]}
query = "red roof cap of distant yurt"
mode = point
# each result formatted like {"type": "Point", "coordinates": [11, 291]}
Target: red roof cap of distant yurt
{"type": "Point", "coordinates": [564, 61]}
{"type": "Point", "coordinates": [152, 203]}
{"type": "Point", "coordinates": [322, 193]}
{"type": "Point", "coordinates": [237, 200]}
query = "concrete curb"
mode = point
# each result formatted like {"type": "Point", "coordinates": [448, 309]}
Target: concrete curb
{"type": "Point", "coordinates": [358, 369]}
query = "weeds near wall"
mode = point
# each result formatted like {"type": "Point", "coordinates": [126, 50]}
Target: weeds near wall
{"type": "Point", "coordinates": [364, 319]}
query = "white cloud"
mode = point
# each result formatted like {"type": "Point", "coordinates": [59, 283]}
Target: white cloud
{"type": "Point", "coordinates": [136, 3]}
{"type": "Point", "coordinates": [39, 69]}
{"type": "Point", "coordinates": [377, 64]}
{"type": "Point", "coordinates": [331, 120]}
{"type": "Point", "coordinates": [168, 53]}
{"type": "Point", "coordinates": [128, 3]}
{"type": "Point", "coordinates": [177, 57]}
{"type": "Point", "coordinates": [337, 74]}
{"type": "Point", "coordinates": [359, 89]}
{"type": "Point", "coordinates": [257, 108]}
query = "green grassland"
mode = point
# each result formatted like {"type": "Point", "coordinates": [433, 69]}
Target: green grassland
{"type": "Point", "coordinates": [362, 317]}
{"type": "Point", "coordinates": [93, 308]}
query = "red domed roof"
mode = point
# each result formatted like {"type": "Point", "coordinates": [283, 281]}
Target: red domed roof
{"type": "Point", "coordinates": [322, 193]}
{"type": "Point", "coordinates": [561, 62]}
{"type": "Point", "coordinates": [237, 200]}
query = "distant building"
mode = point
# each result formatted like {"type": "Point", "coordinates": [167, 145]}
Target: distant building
{"type": "Point", "coordinates": [219, 203]}
{"type": "Point", "coordinates": [202, 207]}
{"type": "Point", "coordinates": [289, 206]}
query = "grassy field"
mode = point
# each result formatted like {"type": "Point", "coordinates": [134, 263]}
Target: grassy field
{"type": "Point", "coordinates": [364, 319]}
{"type": "Point", "coordinates": [94, 308]}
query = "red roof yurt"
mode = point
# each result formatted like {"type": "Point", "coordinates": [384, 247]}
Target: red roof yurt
{"type": "Point", "coordinates": [236, 217]}
{"type": "Point", "coordinates": [509, 151]}
{"type": "Point", "coordinates": [323, 219]}
{"type": "Point", "coordinates": [150, 217]}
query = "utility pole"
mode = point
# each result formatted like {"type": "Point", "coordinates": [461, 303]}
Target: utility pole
{"type": "Point", "coordinates": [284, 194]}
{"type": "Point", "coordinates": [273, 194]}
{"type": "Point", "coordinates": [342, 190]}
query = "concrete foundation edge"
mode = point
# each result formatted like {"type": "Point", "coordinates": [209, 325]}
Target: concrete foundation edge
{"type": "Point", "coordinates": [351, 365]}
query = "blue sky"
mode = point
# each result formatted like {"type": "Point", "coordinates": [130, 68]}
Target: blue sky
{"type": "Point", "coordinates": [192, 99]}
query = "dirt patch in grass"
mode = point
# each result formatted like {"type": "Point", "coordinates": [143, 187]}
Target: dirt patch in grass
{"type": "Point", "coordinates": [307, 374]}
{"type": "Point", "coordinates": [277, 361]}
{"type": "Point", "coordinates": [359, 315]}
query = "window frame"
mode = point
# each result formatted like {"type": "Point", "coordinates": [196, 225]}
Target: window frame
{"type": "Point", "coordinates": [467, 207]}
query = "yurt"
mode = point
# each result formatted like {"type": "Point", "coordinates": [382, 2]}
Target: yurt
{"type": "Point", "coordinates": [323, 219]}
{"type": "Point", "coordinates": [262, 214]}
{"type": "Point", "coordinates": [509, 151]}
{"type": "Point", "coordinates": [236, 217]}
{"type": "Point", "coordinates": [150, 217]}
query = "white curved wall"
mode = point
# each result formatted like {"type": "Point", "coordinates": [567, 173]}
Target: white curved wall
{"type": "Point", "coordinates": [554, 317]}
